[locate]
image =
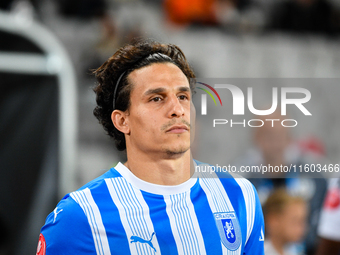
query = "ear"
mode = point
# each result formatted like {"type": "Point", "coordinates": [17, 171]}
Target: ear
{"type": "Point", "coordinates": [120, 121]}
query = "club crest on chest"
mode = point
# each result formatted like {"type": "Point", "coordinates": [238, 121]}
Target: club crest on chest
{"type": "Point", "coordinates": [229, 229]}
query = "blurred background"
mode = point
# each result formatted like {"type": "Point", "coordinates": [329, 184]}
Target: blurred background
{"type": "Point", "coordinates": [50, 142]}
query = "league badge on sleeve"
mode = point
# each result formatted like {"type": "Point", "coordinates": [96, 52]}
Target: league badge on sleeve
{"type": "Point", "coordinates": [229, 230]}
{"type": "Point", "coordinates": [41, 249]}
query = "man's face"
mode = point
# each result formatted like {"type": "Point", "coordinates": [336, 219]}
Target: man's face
{"type": "Point", "coordinates": [290, 224]}
{"type": "Point", "coordinates": [293, 222]}
{"type": "Point", "coordinates": [159, 113]}
{"type": "Point", "coordinates": [272, 140]}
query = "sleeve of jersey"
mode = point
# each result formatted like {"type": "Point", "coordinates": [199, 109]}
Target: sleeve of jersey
{"type": "Point", "coordinates": [67, 231]}
{"type": "Point", "coordinates": [255, 241]}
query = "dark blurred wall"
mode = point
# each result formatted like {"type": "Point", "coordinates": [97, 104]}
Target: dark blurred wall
{"type": "Point", "coordinates": [28, 144]}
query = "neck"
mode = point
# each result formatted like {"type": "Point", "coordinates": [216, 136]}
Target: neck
{"type": "Point", "coordinates": [278, 245]}
{"type": "Point", "coordinates": [165, 170]}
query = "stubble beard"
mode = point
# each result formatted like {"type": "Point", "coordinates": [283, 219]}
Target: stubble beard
{"type": "Point", "coordinates": [178, 152]}
{"type": "Point", "coordinates": [175, 152]}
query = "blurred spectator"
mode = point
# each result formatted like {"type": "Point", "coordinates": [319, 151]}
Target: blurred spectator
{"type": "Point", "coordinates": [309, 16]}
{"type": "Point", "coordinates": [89, 9]}
{"type": "Point", "coordinates": [234, 15]}
{"type": "Point", "coordinates": [329, 225]}
{"type": "Point", "coordinates": [285, 220]}
{"type": "Point", "coordinates": [190, 11]}
{"type": "Point", "coordinates": [239, 15]}
{"type": "Point", "coordinates": [275, 146]}
{"type": "Point", "coordinates": [112, 35]}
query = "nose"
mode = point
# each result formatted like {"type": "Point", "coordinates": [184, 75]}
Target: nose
{"type": "Point", "coordinates": [175, 108]}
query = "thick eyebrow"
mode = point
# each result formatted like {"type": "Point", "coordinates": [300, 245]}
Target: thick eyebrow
{"type": "Point", "coordinates": [154, 91]}
{"type": "Point", "coordinates": [184, 89]}
{"type": "Point", "coordinates": [162, 90]}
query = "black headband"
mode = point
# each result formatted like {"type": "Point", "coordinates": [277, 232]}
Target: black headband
{"type": "Point", "coordinates": [116, 89]}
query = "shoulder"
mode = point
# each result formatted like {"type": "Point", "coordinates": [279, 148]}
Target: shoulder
{"type": "Point", "coordinates": [67, 226]}
{"type": "Point", "coordinates": [66, 210]}
{"type": "Point", "coordinates": [112, 173]}
{"type": "Point", "coordinates": [70, 207]}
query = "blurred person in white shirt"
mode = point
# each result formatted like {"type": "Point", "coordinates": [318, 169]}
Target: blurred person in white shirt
{"type": "Point", "coordinates": [329, 224]}
{"type": "Point", "coordinates": [285, 220]}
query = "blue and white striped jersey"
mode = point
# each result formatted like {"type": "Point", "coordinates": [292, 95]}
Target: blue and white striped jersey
{"type": "Point", "coordinates": [119, 213]}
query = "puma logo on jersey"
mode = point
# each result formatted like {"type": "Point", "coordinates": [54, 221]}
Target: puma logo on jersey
{"type": "Point", "coordinates": [135, 239]}
{"type": "Point", "coordinates": [56, 213]}
{"type": "Point", "coordinates": [261, 236]}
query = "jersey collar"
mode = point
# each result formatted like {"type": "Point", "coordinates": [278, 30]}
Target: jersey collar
{"type": "Point", "coordinates": [154, 188]}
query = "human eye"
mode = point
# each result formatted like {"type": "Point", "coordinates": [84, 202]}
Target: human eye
{"type": "Point", "coordinates": [183, 97]}
{"type": "Point", "coordinates": [156, 99]}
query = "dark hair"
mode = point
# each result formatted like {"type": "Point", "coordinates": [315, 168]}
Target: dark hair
{"type": "Point", "coordinates": [278, 200]}
{"type": "Point", "coordinates": [115, 70]}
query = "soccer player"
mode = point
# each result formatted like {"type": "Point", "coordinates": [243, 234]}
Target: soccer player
{"type": "Point", "coordinates": [152, 203]}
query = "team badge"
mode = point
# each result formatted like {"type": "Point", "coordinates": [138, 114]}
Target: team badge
{"type": "Point", "coordinates": [229, 230]}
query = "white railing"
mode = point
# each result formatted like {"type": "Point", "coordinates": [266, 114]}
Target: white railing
{"type": "Point", "coordinates": [56, 62]}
